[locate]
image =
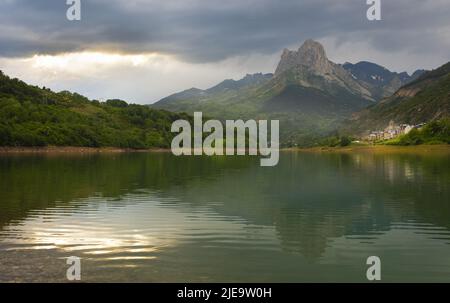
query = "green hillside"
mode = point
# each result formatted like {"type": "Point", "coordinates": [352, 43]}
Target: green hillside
{"type": "Point", "coordinates": [306, 113]}
{"type": "Point", "coordinates": [423, 100]}
{"type": "Point", "coordinates": [31, 116]}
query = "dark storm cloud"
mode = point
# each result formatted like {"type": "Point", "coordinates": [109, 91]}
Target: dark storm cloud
{"type": "Point", "coordinates": [211, 30]}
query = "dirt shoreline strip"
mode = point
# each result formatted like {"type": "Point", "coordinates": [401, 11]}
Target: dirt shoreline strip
{"type": "Point", "coordinates": [349, 149]}
{"type": "Point", "coordinates": [76, 150]}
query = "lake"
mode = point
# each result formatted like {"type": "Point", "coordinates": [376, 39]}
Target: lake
{"type": "Point", "coordinates": [153, 217]}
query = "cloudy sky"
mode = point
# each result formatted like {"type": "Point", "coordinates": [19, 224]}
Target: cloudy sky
{"type": "Point", "coordinates": [143, 50]}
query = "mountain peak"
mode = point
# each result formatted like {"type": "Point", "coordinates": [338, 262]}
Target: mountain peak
{"type": "Point", "coordinates": [312, 47]}
{"type": "Point", "coordinates": [311, 55]}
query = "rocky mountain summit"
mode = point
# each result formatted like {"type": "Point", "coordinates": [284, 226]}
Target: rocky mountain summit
{"type": "Point", "coordinates": [310, 62]}
{"type": "Point", "coordinates": [310, 55]}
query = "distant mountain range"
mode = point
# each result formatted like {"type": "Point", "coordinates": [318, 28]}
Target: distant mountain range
{"type": "Point", "coordinates": [380, 81]}
{"type": "Point", "coordinates": [425, 99]}
{"type": "Point", "coordinates": [308, 93]}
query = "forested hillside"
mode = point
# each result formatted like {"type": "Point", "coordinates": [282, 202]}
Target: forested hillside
{"type": "Point", "coordinates": [32, 116]}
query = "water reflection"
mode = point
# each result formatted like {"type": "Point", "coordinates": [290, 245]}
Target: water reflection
{"type": "Point", "coordinates": [314, 217]}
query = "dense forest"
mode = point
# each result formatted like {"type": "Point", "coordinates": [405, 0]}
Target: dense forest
{"type": "Point", "coordinates": [33, 116]}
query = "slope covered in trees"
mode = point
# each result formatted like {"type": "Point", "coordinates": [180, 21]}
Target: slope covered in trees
{"type": "Point", "coordinates": [31, 116]}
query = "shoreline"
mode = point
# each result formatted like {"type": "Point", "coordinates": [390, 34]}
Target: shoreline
{"type": "Point", "coordinates": [321, 149]}
{"type": "Point", "coordinates": [375, 149]}
{"type": "Point", "coordinates": [75, 150]}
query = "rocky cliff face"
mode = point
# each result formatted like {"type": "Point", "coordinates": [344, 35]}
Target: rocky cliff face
{"type": "Point", "coordinates": [311, 60]}
{"type": "Point", "coordinates": [311, 55]}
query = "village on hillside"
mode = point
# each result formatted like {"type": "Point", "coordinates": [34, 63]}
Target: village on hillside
{"type": "Point", "coordinates": [392, 131]}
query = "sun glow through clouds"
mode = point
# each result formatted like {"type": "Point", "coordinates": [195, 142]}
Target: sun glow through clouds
{"type": "Point", "coordinates": [87, 59]}
{"type": "Point", "coordinates": [100, 74]}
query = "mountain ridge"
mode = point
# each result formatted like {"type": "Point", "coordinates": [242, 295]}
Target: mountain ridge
{"type": "Point", "coordinates": [379, 80]}
{"type": "Point", "coordinates": [423, 100]}
{"type": "Point", "coordinates": [308, 93]}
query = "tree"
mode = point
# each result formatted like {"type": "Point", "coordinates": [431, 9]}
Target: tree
{"type": "Point", "coordinates": [345, 141]}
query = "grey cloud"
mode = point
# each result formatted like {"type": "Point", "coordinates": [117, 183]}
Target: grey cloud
{"type": "Point", "coordinates": [212, 30]}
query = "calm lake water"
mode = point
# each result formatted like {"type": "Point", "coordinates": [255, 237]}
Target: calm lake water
{"type": "Point", "coordinates": [156, 218]}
